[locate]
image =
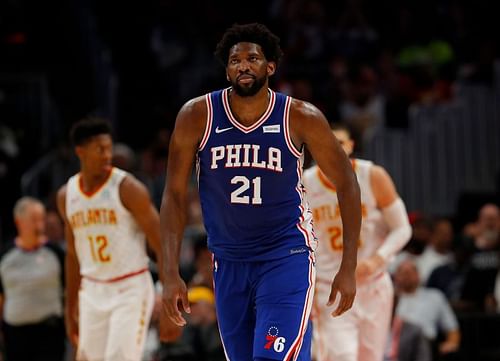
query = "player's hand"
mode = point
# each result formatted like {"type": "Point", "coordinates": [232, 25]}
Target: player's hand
{"type": "Point", "coordinates": [367, 267]}
{"type": "Point", "coordinates": [345, 284]}
{"type": "Point", "coordinates": [167, 330]}
{"type": "Point", "coordinates": [175, 299]}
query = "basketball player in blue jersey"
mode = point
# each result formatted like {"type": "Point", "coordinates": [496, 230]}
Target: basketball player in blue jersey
{"type": "Point", "coordinates": [248, 144]}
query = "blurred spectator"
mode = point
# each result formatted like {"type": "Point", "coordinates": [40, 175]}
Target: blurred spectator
{"type": "Point", "coordinates": [480, 67]}
{"type": "Point", "coordinates": [203, 275]}
{"type": "Point", "coordinates": [406, 341]}
{"type": "Point", "coordinates": [450, 277]}
{"type": "Point", "coordinates": [306, 41]}
{"type": "Point", "coordinates": [425, 65]}
{"type": "Point", "coordinates": [124, 157]}
{"type": "Point", "coordinates": [427, 308]}
{"type": "Point", "coordinates": [195, 224]}
{"type": "Point", "coordinates": [49, 172]}
{"type": "Point", "coordinates": [438, 251]}
{"type": "Point", "coordinates": [363, 109]}
{"type": "Point", "coordinates": [484, 260]}
{"type": "Point", "coordinates": [159, 322]}
{"type": "Point", "coordinates": [195, 239]}
{"type": "Point", "coordinates": [392, 84]}
{"type": "Point", "coordinates": [9, 158]}
{"type": "Point", "coordinates": [421, 233]}
{"type": "Point", "coordinates": [488, 227]}
{"type": "Point", "coordinates": [153, 165]}
{"type": "Point", "coordinates": [31, 289]}
{"type": "Point", "coordinates": [200, 339]}
{"type": "Point", "coordinates": [55, 229]}
{"type": "Point", "coordinates": [353, 36]}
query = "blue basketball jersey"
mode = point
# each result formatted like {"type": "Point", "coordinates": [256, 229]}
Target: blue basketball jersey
{"type": "Point", "coordinates": [250, 183]}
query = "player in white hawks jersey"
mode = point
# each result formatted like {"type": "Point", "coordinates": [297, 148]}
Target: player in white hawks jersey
{"type": "Point", "coordinates": [361, 333]}
{"type": "Point", "coordinates": [108, 216]}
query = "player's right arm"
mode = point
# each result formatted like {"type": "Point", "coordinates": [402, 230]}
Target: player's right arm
{"type": "Point", "coordinates": [395, 217]}
{"type": "Point", "coordinates": [188, 132]}
{"type": "Point", "coordinates": [72, 273]}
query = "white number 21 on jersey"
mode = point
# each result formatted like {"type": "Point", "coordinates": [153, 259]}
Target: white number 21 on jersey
{"type": "Point", "coordinates": [236, 195]}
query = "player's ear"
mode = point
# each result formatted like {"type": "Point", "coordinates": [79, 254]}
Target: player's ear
{"type": "Point", "coordinates": [227, 77]}
{"type": "Point", "coordinates": [79, 151]}
{"type": "Point", "coordinates": [271, 68]}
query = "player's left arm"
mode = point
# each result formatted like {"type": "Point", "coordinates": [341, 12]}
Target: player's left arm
{"type": "Point", "coordinates": [308, 126]}
{"type": "Point", "coordinates": [135, 197]}
{"type": "Point", "coordinates": [395, 217]}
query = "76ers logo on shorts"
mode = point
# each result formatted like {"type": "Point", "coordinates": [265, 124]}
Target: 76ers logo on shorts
{"type": "Point", "coordinates": [278, 343]}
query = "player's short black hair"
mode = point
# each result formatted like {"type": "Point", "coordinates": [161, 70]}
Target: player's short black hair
{"type": "Point", "coordinates": [86, 128]}
{"type": "Point", "coordinates": [252, 33]}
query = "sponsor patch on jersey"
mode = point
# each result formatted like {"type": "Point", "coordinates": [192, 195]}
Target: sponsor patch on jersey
{"type": "Point", "coordinates": [271, 128]}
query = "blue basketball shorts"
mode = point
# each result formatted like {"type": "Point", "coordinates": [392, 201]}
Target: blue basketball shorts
{"type": "Point", "coordinates": [263, 307]}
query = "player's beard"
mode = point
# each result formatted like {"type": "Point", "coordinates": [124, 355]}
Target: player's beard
{"type": "Point", "coordinates": [248, 91]}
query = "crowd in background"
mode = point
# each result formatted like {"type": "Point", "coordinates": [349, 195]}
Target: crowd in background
{"type": "Point", "coordinates": [363, 63]}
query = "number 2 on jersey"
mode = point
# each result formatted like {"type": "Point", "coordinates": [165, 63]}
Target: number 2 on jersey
{"type": "Point", "coordinates": [98, 247]}
{"type": "Point", "coordinates": [336, 239]}
{"type": "Point", "coordinates": [236, 196]}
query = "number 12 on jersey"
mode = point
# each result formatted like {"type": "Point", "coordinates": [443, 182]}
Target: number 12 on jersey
{"type": "Point", "coordinates": [236, 195]}
{"type": "Point", "coordinates": [98, 245]}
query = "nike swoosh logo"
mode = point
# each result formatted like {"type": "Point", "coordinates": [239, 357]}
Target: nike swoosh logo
{"type": "Point", "coordinates": [217, 130]}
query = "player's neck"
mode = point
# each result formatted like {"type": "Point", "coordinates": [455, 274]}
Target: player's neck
{"type": "Point", "coordinates": [248, 110]}
{"type": "Point", "coordinates": [91, 181]}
